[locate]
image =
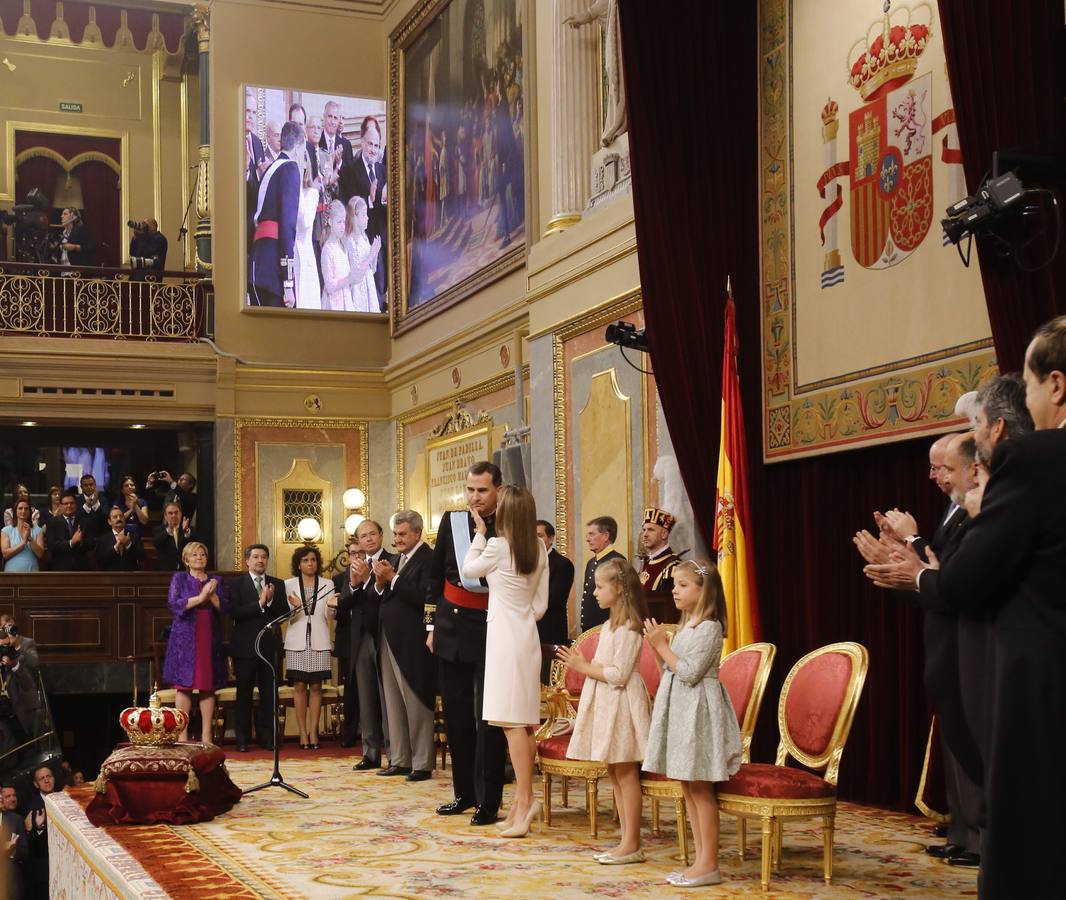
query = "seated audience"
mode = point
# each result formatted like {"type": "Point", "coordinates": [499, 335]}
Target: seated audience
{"type": "Point", "coordinates": [118, 549]}
{"type": "Point", "coordinates": [194, 660]}
{"type": "Point", "coordinates": [171, 537]}
{"type": "Point", "coordinates": [51, 509]}
{"type": "Point", "coordinates": [178, 491]}
{"type": "Point", "coordinates": [66, 538]}
{"type": "Point", "coordinates": [21, 493]}
{"type": "Point", "coordinates": [22, 543]}
{"type": "Point", "coordinates": [36, 822]}
{"type": "Point", "coordinates": [92, 507]}
{"type": "Point", "coordinates": [134, 508]}
{"type": "Point", "coordinates": [13, 838]}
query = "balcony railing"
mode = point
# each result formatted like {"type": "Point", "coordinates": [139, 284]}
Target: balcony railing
{"type": "Point", "coordinates": [92, 302]}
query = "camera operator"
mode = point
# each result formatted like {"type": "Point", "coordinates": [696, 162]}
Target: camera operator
{"type": "Point", "coordinates": [20, 702]}
{"type": "Point", "coordinates": [26, 647]}
{"type": "Point", "coordinates": [76, 246]}
{"type": "Point", "coordinates": [148, 250]}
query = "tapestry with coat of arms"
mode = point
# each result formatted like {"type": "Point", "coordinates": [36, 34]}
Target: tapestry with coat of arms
{"type": "Point", "coordinates": [872, 327]}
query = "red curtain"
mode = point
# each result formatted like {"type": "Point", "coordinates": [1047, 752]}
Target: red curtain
{"type": "Point", "coordinates": [99, 184]}
{"type": "Point", "coordinates": [693, 130]}
{"type": "Point", "coordinates": [1005, 58]}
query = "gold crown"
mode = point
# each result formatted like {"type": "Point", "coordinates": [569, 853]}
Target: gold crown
{"type": "Point", "coordinates": [891, 58]}
{"type": "Point", "coordinates": [154, 725]}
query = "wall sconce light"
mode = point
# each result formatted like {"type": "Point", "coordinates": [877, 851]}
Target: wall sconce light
{"type": "Point", "coordinates": [353, 522]}
{"type": "Point", "coordinates": [354, 498]}
{"type": "Point", "coordinates": [309, 530]}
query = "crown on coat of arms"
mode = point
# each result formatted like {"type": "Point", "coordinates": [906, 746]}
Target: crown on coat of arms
{"type": "Point", "coordinates": [154, 725]}
{"type": "Point", "coordinates": [891, 57]}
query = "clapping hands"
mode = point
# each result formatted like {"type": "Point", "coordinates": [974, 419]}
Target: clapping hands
{"type": "Point", "coordinates": [573, 659]}
{"type": "Point", "coordinates": [656, 634]}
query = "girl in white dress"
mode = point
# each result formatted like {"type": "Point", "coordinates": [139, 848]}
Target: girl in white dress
{"type": "Point", "coordinates": [336, 272]}
{"type": "Point", "coordinates": [362, 257]}
{"type": "Point", "coordinates": [694, 735]}
{"type": "Point", "coordinates": [308, 289]}
{"type": "Point", "coordinates": [614, 712]}
{"type": "Point", "coordinates": [515, 564]}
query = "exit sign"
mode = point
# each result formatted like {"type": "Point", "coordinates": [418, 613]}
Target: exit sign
{"type": "Point", "coordinates": [70, 106]}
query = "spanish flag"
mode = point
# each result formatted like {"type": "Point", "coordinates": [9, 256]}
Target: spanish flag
{"type": "Point", "coordinates": [732, 535]}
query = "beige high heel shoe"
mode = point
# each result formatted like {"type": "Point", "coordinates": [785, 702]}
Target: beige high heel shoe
{"type": "Point", "coordinates": [521, 829]}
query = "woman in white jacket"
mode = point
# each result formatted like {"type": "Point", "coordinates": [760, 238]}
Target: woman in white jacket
{"type": "Point", "coordinates": [307, 642]}
{"type": "Point", "coordinates": [515, 564]}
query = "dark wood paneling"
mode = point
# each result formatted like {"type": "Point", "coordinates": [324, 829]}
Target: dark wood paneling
{"type": "Point", "coordinates": [89, 616]}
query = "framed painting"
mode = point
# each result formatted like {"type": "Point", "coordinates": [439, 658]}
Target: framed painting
{"type": "Point", "coordinates": [457, 161]}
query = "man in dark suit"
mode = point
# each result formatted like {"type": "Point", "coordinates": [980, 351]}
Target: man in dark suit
{"type": "Point", "coordinates": [342, 652]}
{"type": "Point", "coordinates": [181, 490]}
{"type": "Point", "coordinates": [116, 549]}
{"type": "Point", "coordinates": [1011, 568]}
{"type": "Point", "coordinates": [77, 246]}
{"type": "Point", "coordinates": [553, 627]}
{"type": "Point", "coordinates": [364, 675]}
{"type": "Point", "coordinates": [255, 600]}
{"type": "Point", "coordinates": [956, 475]}
{"type": "Point", "coordinates": [409, 676]}
{"type": "Point", "coordinates": [600, 534]}
{"type": "Point", "coordinates": [67, 539]}
{"type": "Point", "coordinates": [171, 537]}
{"type": "Point", "coordinates": [298, 114]}
{"type": "Point", "coordinates": [366, 179]}
{"type": "Point", "coordinates": [254, 157]}
{"type": "Point", "coordinates": [457, 640]}
{"type": "Point", "coordinates": [276, 209]}
{"type": "Point", "coordinates": [338, 146]}
{"type": "Point", "coordinates": [14, 826]}
{"type": "Point", "coordinates": [92, 507]}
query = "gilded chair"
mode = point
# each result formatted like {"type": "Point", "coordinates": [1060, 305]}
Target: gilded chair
{"type": "Point", "coordinates": [814, 714]}
{"type": "Point", "coordinates": [563, 698]}
{"type": "Point", "coordinates": [744, 673]}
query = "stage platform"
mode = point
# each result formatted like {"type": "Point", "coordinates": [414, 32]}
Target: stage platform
{"type": "Point", "coordinates": [359, 835]}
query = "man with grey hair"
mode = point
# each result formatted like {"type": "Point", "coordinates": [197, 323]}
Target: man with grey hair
{"type": "Point", "coordinates": [1000, 414]}
{"type": "Point", "coordinates": [338, 147]}
{"type": "Point", "coordinates": [273, 281]}
{"type": "Point", "coordinates": [408, 670]}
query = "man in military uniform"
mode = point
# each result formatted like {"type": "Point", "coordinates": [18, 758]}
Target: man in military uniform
{"type": "Point", "coordinates": [657, 573]}
{"type": "Point", "coordinates": [600, 534]}
{"type": "Point", "coordinates": [278, 202]}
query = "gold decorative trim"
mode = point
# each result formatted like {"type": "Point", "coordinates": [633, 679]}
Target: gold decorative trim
{"type": "Point", "coordinates": [921, 805]}
{"type": "Point", "coordinates": [68, 165]}
{"type": "Point", "coordinates": [499, 382]}
{"type": "Point", "coordinates": [615, 308]}
{"type": "Point", "coordinates": [242, 422]}
{"type": "Point", "coordinates": [157, 139]}
{"type": "Point", "coordinates": [561, 222]}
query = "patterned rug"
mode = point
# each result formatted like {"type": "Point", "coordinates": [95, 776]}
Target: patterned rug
{"type": "Point", "coordinates": [360, 835]}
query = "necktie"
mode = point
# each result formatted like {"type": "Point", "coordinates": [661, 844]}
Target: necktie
{"type": "Point", "coordinates": [259, 585]}
{"type": "Point", "coordinates": [70, 527]}
{"type": "Point", "coordinates": [403, 561]}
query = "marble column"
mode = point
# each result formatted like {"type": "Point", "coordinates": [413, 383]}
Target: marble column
{"type": "Point", "coordinates": [201, 20]}
{"type": "Point", "coordinates": [575, 114]}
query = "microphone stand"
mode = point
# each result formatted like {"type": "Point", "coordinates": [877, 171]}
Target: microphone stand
{"type": "Point", "coordinates": [275, 779]}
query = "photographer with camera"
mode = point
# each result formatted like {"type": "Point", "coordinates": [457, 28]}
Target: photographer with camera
{"type": "Point", "coordinates": [148, 250]}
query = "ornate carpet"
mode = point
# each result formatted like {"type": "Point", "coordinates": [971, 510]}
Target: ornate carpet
{"type": "Point", "coordinates": [359, 835]}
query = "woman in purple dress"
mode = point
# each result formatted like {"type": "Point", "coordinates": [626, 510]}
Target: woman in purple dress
{"type": "Point", "coordinates": [194, 658]}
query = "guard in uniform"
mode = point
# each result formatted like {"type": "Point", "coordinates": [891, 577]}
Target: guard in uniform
{"type": "Point", "coordinates": [600, 535]}
{"type": "Point", "coordinates": [277, 206]}
{"type": "Point", "coordinates": [657, 573]}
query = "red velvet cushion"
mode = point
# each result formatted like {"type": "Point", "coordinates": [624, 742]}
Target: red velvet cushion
{"type": "Point", "coordinates": [814, 700]}
{"type": "Point", "coordinates": [648, 664]}
{"type": "Point", "coordinates": [554, 747]}
{"type": "Point", "coordinates": [776, 783]}
{"type": "Point", "coordinates": [653, 776]}
{"type": "Point", "coordinates": [575, 681]}
{"type": "Point", "coordinates": [738, 675]}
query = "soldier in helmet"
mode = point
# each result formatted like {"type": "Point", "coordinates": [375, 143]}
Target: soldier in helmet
{"type": "Point", "coordinates": [657, 573]}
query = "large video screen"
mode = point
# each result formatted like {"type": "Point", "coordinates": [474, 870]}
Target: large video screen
{"type": "Point", "coordinates": [316, 209]}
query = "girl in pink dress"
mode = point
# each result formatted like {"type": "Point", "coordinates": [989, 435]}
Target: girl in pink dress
{"type": "Point", "coordinates": [336, 271]}
{"type": "Point", "coordinates": [362, 257]}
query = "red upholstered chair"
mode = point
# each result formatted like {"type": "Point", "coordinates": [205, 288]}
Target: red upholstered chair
{"type": "Point", "coordinates": [744, 672]}
{"type": "Point", "coordinates": [815, 713]}
{"type": "Point", "coordinates": [563, 699]}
